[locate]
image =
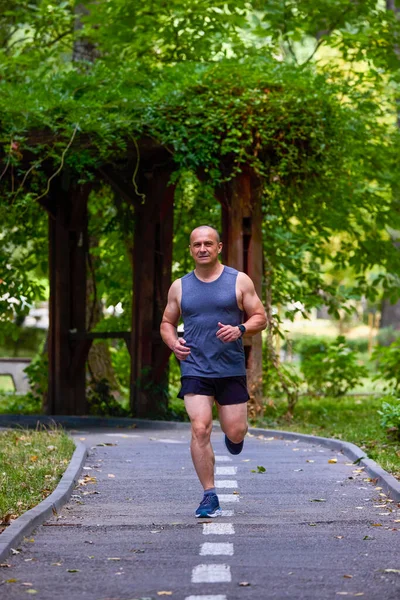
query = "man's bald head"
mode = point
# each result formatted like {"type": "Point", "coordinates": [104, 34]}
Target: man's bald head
{"type": "Point", "coordinates": [207, 229]}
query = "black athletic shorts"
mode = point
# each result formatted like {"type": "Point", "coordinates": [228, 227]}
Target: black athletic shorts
{"type": "Point", "coordinates": [226, 390]}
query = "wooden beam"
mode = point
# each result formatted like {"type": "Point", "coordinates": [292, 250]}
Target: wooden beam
{"type": "Point", "coordinates": [67, 261]}
{"type": "Point", "coordinates": [242, 249]}
{"type": "Point", "coordinates": [152, 276]}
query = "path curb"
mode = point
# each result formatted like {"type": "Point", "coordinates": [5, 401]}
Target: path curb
{"type": "Point", "coordinates": [389, 483]}
{"type": "Point", "coordinates": [26, 523]}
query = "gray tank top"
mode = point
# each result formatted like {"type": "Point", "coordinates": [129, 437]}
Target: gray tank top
{"type": "Point", "coordinates": [202, 306]}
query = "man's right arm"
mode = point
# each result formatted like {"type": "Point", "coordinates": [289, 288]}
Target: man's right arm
{"type": "Point", "coordinates": [169, 323]}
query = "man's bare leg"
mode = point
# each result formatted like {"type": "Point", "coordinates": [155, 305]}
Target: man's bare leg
{"type": "Point", "coordinates": [199, 409]}
{"type": "Point", "coordinates": [233, 421]}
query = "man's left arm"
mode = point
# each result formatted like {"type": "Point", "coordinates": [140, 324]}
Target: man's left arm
{"type": "Point", "coordinates": [254, 309]}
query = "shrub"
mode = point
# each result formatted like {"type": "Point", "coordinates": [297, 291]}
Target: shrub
{"type": "Point", "coordinates": [390, 414]}
{"type": "Point", "coordinates": [333, 372]}
{"type": "Point", "coordinates": [387, 335]}
{"type": "Point", "coordinates": [388, 364]}
{"type": "Point", "coordinates": [308, 345]}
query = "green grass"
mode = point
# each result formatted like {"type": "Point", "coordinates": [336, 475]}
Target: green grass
{"type": "Point", "coordinates": [351, 418]}
{"type": "Point", "coordinates": [31, 465]}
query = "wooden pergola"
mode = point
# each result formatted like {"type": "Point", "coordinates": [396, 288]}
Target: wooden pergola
{"type": "Point", "coordinates": [152, 233]}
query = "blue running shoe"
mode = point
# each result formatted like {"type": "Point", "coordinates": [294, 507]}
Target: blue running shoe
{"type": "Point", "coordinates": [233, 448]}
{"type": "Point", "coordinates": [209, 507]}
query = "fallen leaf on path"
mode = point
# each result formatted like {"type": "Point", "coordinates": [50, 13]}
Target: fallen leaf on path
{"type": "Point", "coordinates": [318, 500]}
{"type": "Point", "coordinates": [332, 461]}
{"type": "Point", "coordinates": [73, 571]}
{"type": "Point", "coordinates": [308, 460]}
{"type": "Point", "coordinates": [155, 531]}
{"type": "Point", "coordinates": [244, 583]}
{"type": "Point", "coordinates": [27, 583]}
{"type": "Point", "coordinates": [107, 444]}
{"type": "Point", "coordinates": [297, 470]}
{"type": "Point", "coordinates": [14, 551]}
{"type": "Point", "coordinates": [4, 565]}
{"type": "Point", "coordinates": [113, 558]}
{"type": "Point", "coordinates": [164, 593]}
{"type": "Point", "coordinates": [13, 580]}
{"type": "Point", "coordinates": [391, 570]}
{"type": "Point", "coordinates": [259, 470]}
{"type": "Point", "coordinates": [348, 576]}
{"type": "Point", "coordinates": [31, 591]}
{"type": "Point", "coordinates": [246, 460]}
{"type": "Point", "coordinates": [376, 524]}
{"type": "Point", "coordinates": [236, 493]}
{"type": "Point", "coordinates": [339, 537]}
{"type": "Point", "coordinates": [367, 537]}
{"type": "Point", "coordinates": [111, 476]}
{"type": "Point", "coordinates": [57, 564]}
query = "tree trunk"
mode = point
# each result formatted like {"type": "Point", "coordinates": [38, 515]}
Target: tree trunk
{"type": "Point", "coordinates": [99, 359]}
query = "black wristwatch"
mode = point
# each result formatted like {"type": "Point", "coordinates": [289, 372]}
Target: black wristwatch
{"type": "Point", "coordinates": [242, 329]}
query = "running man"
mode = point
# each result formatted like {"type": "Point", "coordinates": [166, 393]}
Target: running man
{"type": "Point", "coordinates": [211, 301]}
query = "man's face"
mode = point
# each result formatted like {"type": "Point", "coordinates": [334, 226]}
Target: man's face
{"type": "Point", "coordinates": [204, 246]}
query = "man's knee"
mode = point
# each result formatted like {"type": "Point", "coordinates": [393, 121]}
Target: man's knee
{"type": "Point", "coordinates": [236, 432]}
{"type": "Point", "coordinates": [201, 431]}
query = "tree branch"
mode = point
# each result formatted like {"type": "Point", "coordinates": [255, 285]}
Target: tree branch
{"type": "Point", "coordinates": [324, 37]}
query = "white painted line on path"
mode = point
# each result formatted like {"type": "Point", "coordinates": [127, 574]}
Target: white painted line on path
{"type": "Point", "coordinates": [227, 513]}
{"type": "Point", "coordinates": [218, 529]}
{"type": "Point", "coordinates": [218, 597]}
{"type": "Point", "coordinates": [226, 483]}
{"type": "Point", "coordinates": [210, 549]}
{"type": "Point", "coordinates": [122, 435]}
{"type": "Point", "coordinates": [228, 498]}
{"type": "Point", "coordinates": [169, 441]}
{"type": "Point", "coordinates": [226, 470]}
{"type": "Point", "coordinates": [211, 574]}
{"type": "Point", "coordinates": [223, 459]}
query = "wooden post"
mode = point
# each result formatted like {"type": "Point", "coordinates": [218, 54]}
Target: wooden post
{"type": "Point", "coordinates": [151, 280]}
{"type": "Point", "coordinates": [242, 249]}
{"type": "Point", "coordinates": [67, 306]}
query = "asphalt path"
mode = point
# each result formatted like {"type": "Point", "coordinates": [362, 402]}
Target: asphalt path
{"type": "Point", "coordinates": [306, 528]}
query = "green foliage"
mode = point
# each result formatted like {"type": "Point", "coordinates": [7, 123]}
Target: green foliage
{"type": "Point", "coordinates": [19, 341]}
{"type": "Point", "coordinates": [37, 373]}
{"type": "Point", "coordinates": [102, 402]}
{"type": "Point", "coordinates": [387, 335]}
{"type": "Point", "coordinates": [390, 414]}
{"type": "Point", "coordinates": [334, 371]}
{"type": "Point", "coordinates": [387, 359]}
{"type": "Point", "coordinates": [17, 404]}
{"type": "Point", "coordinates": [307, 345]}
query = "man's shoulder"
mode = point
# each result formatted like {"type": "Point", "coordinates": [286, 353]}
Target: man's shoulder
{"type": "Point", "coordinates": [231, 271]}
{"type": "Point", "coordinates": [187, 276]}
